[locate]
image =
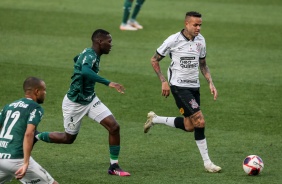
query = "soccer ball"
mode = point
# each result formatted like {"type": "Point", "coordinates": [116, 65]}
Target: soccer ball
{"type": "Point", "coordinates": [253, 165]}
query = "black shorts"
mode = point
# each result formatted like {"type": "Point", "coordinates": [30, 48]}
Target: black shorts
{"type": "Point", "coordinates": [186, 99]}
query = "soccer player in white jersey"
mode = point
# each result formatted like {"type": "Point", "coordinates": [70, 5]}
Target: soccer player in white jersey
{"type": "Point", "coordinates": [18, 122]}
{"type": "Point", "coordinates": [187, 50]}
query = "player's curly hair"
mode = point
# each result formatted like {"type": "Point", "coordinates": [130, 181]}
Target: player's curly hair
{"type": "Point", "coordinates": [98, 33]}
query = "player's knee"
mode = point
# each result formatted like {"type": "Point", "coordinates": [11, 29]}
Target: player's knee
{"type": "Point", "coordinates": [69, 139]}
{"type": "Point", "coordinates": [190, 129]}
{"type": "Point", "coordinates": [114, 129]}
{"type": "Point", "coordinates": [198, 119]}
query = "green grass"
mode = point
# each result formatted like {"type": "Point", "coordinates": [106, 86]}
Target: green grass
{"type": "Point", "coordinates": [40, 38]}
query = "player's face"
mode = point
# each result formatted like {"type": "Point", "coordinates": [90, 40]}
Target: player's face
{"type": "Point", "coordinates": [41, 93]}
{"type": "Point", "coordinates": [193, 25]}
{"type": "Point", "coordinates": [106, 44]}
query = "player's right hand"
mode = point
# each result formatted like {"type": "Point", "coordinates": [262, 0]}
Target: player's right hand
{"type": "Point", "coordinates": [165, 89]}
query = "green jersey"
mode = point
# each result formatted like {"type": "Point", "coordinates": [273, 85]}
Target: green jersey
{"type": "Point", "coordinates": [14, 119]}
{"type": "Point", "coordinates": [85, 76]}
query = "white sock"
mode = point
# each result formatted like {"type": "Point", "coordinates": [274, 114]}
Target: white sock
{"type": "Point", "coordinates": [113, 161]}
{"type": "Point", "coordinates": [203, 148]}
{"type": "Point", "coordinates": [169, 121]}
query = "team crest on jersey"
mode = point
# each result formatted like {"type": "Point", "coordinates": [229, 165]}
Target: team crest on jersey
{"type": "Point", "coordinates": [181, 110]}
{"type": "Point", "coordinates": [194, 104]}
{"type": "Point", "coordinates": [198, 47]}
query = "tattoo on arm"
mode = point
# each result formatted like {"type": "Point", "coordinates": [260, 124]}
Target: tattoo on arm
{"type": "Point", "coordinates": [205, 70]}
{"type": "Point", "coordinates": [156, 66]}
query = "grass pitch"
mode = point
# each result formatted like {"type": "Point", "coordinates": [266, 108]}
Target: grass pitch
{"type": "Point", "coordinates": [243, 38]}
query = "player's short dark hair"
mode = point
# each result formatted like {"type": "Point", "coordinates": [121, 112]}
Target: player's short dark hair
{"type": "Point", "coordinates": [99, 32]}
{"type": "Point", "coordinates": [193, 14]}
{"type": "Point", "coordinates": [31, 83]}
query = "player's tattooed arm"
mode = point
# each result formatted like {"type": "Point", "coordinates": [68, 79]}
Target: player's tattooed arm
{"type": "Point", "coordinates": [205, 70]}
{"type": "Point", "coordinates": [156, 66]}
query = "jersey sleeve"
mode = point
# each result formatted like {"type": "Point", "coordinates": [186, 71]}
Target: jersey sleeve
{"type": "Point", "coordinates": [165, 48]}
{"type": "Point", "coordinates": [87, 72]}
{"type": "Point", "coordinates": [1, 118]}
{"type": "Point", "coordinates": [35, 115]}
{"type": "Point", "coordinates": [203, 50]}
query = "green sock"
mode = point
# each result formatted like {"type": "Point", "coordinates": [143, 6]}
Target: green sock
{"type": "Point", "coordinates": [126, 11]}
{"type": "Point", "coordinates": [44, 136]}
{"type": "Point", "coordinates": [114, 153]}
{"type": "Point", "coordinates": [137, 8]}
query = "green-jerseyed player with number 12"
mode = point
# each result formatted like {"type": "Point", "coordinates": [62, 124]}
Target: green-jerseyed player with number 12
{"type": "Point", "coordinates": [18, 122]}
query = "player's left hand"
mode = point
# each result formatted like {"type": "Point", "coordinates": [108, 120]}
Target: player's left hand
{"type": "Point", "coordinates": [117, 86]}
{"type": "Point", "coordinates": [213, 91]}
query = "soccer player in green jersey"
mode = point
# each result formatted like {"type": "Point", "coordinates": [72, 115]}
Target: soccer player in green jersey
{"type": "Point", "coordinates": [82, 100]}
{"type": "Point", "coordinates": [18, 122]}
{"type": "Point", "coordinates": [130, 24]}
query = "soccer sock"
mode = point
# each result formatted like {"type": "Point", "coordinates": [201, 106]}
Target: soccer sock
{"type": "Point", "coordinates": [137, 9]}
{"type": "Point", "coordinates": [203, 148]}
{"type": "Point", "coordinates": [114, 153]}
{"type": "Point", "coordinates": [179, 123]}
{"type": "Point", "coordinates": [43, 136]}
{"type": "Point", "coordinates": [169, 121]}
{"type": "Point", "coordinates": [126, 10]}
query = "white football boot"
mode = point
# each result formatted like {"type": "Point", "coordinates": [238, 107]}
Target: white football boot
{"type": "Point", "coordinates": [127, 27]}
{"type": "Point", "coordinates": [212, 168]}
{"type": "Point", "coordinates": [134, 23]}
{"type": "Point", "coordinates": [149, 123]}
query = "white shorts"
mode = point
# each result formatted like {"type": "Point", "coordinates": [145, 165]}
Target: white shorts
{"type": "Point", "coordinates": [74, 112]}
{"type": "Point", "coordinates": [34, 174]}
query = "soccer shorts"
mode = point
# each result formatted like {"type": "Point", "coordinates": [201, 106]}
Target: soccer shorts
{"type": "Point", "coordinates": [186, 99]}
{"type": "Point", "coordinates": [74, 112]}
{"type": "Point", "coordinates": [34, 174]}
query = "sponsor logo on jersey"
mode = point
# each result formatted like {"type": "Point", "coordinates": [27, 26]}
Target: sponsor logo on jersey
{"type": "Point", "coordinates": [19, 104]}
{"type": "Point", "coordinates": [185, 62]}
{"type": "Point", "coordinates": [4, 144]}
{"type": "Point", "coordinates": [5, 155]}
{"type": "Point", "coordinates": [181, 81]}
{"type": "Point", "coordinates": [194, 104]}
